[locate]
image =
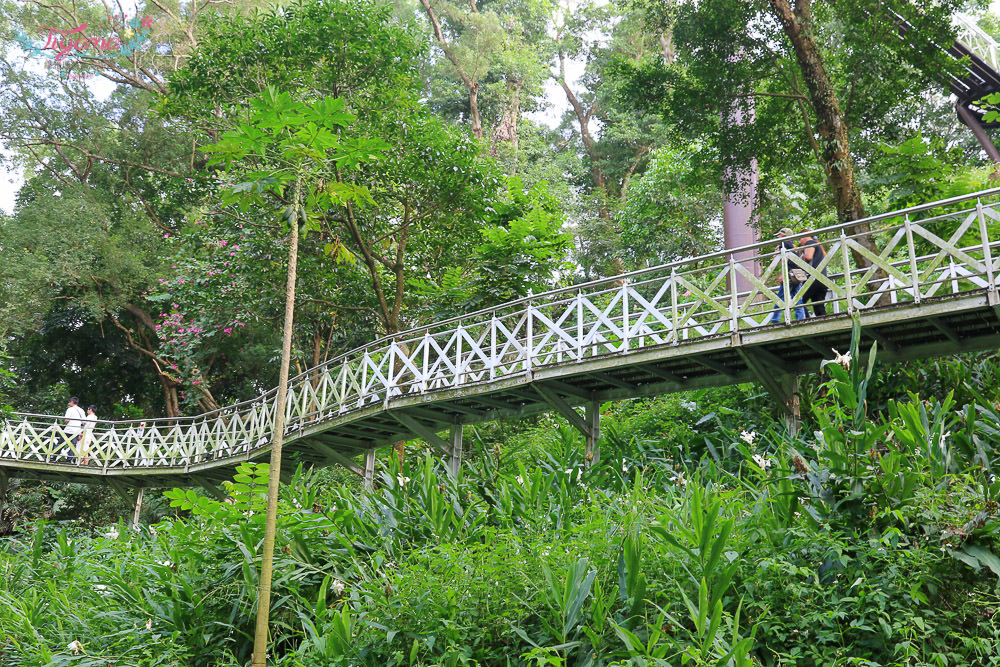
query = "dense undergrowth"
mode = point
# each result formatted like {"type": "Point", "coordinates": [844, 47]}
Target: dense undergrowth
{"type": "Point", "coordinates": [702, 539]}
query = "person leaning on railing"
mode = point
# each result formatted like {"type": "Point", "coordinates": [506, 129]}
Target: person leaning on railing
{"type": "Point", "coordinates": [815, 295]}
{"type": "Point", "coordinates": [799, 310]}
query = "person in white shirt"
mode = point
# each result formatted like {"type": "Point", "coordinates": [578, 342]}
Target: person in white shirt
{"type": "Point", "coordinates": [74, 427]}
{"type": "Point", "coordinates": [88, 434]}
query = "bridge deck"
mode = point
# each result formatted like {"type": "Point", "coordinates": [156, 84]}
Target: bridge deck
{"type": "Point", "coordinates": [931, 289]}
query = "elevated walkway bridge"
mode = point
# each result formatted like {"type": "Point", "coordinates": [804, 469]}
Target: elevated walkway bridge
{"type": "Point", "coordinates": [932, 289]}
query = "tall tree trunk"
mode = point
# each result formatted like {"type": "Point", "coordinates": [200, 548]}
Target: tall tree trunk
{"type": "Point", "coordinates": [170, 401]}
{"type": "Point", "coordinates": [507, 128]}
{"type": "Point", "coordinates": [667, 46]}
{"type": "Point", "coordinates": [277, 440]}
{"type": "Point", "coordinates": [830, 124]}
{"type": "Point", "coordinates": [471, 86]}
{"type": "Point", "coordinates": [583, 118]}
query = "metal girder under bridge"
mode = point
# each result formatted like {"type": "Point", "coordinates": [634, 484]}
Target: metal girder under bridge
{"type": "Point", "coordinates": [930, 289]}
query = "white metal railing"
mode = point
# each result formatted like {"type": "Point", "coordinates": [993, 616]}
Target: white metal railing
{"type": "Point", "coordinates": [926, 253]}
{"type": "Point", "coordinates": [977, 40]}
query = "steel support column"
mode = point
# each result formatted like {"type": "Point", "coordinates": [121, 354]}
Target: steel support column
{"type": "Point", "coordinates": [369, 472]}
{"type": "Point", "coordinates": [138, 509]}
{"type": "Point", "coordinates": [455, 451]}
{"type": "Point", "coordinates": [790, 404]}
{"type": "Point", "coordinates": [592, 435]}
{"type": "Point", "coordinates": [978, 130]}
{"type": "Point", "coordinates": [589, 425]}
{"type": "Point", "coordinates": [782, 386]}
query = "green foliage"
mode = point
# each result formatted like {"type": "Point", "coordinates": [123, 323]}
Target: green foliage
{"type": "Point", "coordinates": [991, 105]}
{"type": "Point", "coordinates": [923, 169]}
{"type": "Point", "coordinates": [666, 213]}
{"type": "Point", "coordinates": [6, 384]}
{"type": "Point", "coordinates": [523, 250]}
{"type": "Point", "coordinates": [281, 141]}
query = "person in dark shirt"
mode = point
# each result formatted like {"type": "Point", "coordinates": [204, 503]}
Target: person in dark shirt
{"type": "Point", "coordinates": [815, 295]}
{"type": "Point", "coordinates": [798, 310]}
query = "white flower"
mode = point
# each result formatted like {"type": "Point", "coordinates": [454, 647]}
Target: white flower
{"type": "Point", "coordinates": [75, 647]}
{"type": "Point", "coordinates": [748, 436]}
{"type": "Point", "coordinates": [761, 461]}
{"type": "Point", "coordinates": [149, 624]}
{"type": "Point", "coordinates": [402, 480]}
{"type": "Point", "coordinates": [112, 534]}
{"type": "Point", "coordinates": [691, 406]}
{"type": "Point", "coordinates": [337, 586]}
{"type": "Point", "coordinates": [842, 359]}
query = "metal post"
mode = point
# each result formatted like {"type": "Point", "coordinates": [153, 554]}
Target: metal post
{"type": "Point", "coordinates": [593, 434]}
{"type": "Point", "coordinates": [425, 367]}
{"type": "Point", "coordinates": [345, 369]}
{"type": "Point", "coordinates": [529, 331]}
{"type": "Point", "coordinates": [914, 276]}
{"type": "Point", "coordinates": [674, 307]}
{"type": "Point", "coordinates": [390, 381]}
{"type": "Point", "coordinates": [848, 287]}
{"type": "Point", "coordinates": [579, 325]}
{"type": "Point", "coordinates": [734, 306]}
{"type": "Point", "coordinates": [984, 235]}
{"type": "Point", "coordinates": [370, 469]}
{"type": "Point", "coordinates": [625, 324]}
{"type": "Point", "coordinates": [455, 451]}
{"type": "Point", "coordinates": [494, 362]}
{"type": "Point", "coordinates": [786, 288]}
{"type": "Point", "coordinates": [138, 509]}
{"type": "Point", "coordinates": [790, 409]}
{"type": "Point", "coordinates": [458, 355]}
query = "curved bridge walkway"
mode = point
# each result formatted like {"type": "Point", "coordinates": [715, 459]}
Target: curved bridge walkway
{"type": "Point", "coordinates": [930, 289]}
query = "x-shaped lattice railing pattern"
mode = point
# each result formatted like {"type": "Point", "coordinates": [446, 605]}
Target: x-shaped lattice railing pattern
{"type": "Point", "coordinates": [925, 253]}
{"type": "Point", "coordinates": [977, 40]}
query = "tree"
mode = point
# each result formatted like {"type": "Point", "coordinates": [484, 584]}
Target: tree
{"type": "Point", "coordinates": [106, 163]}
{"type": "Point", "coordinates": [523, 250]}
{"type": "Point", "coordinates": [798, 63]}
{"type": "Point", "coordinates": [494, 49]}
{"type": "Point", "coordinates": [670, 212]}
{"type": "Point", "coordinates": [296, 158]}
{"type": "Point", "coordinates": [431, 190]}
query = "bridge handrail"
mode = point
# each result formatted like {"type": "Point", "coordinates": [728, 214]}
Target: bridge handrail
{"type": "Point", "coordinates": [666, 304]}
{"type": "Point", "coordinates": [978, 40]}
{"type": "Point", "coordinates": [385, 340]}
